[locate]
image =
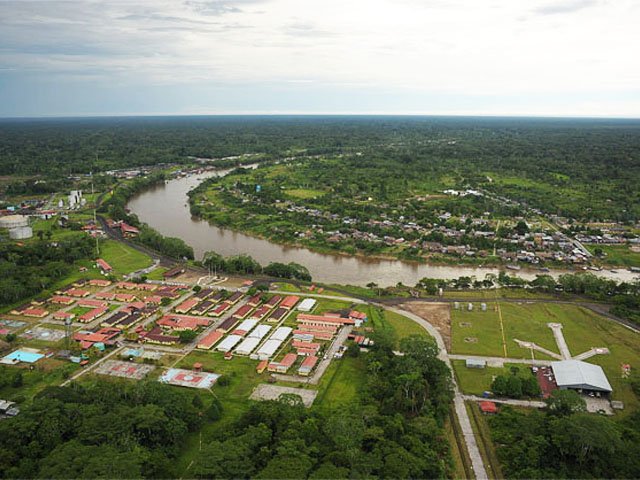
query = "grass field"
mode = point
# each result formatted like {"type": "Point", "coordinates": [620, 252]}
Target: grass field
{"type": "Point", "coordinates": [123, 258]}
{"type": "Point", "coordinates": [304, 193]}
{"type": "Point", "coordinates": [475, 381]}
{"type": "Point", "coordinates": [527, 322]}
{"type": "Point", "coordinates": [618, 255]}
{"type": "Point", "coordinates": [582, 328]}
{"type": "Point", "coordinates": [341, 383]}
{"type": "Point", "coordinates": [47, 372]}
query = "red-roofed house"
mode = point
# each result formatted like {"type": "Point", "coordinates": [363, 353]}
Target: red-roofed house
{"type": "Point", "coordinates": [307, 365]}
{"type": "Point", "coordinates": [285, 364]}
{"type": "Point", "coordinates": [60, 315]}
{"type": "Point", "coordinates": [34, 312]}
{"type": "Point", "coordinates": [128, 230]}
{"type": "Point", "coordinates": [77, 292]}
{"type": "Point", "coordinates": [87, 302]}
{"type": "Point", "coordinates": [61, 300]}
{"type": "Point", "coordinates": [99, 282]}
{"type": "Point", "coordinates": [187, 305]}
{"type": "Point", "coordinates": [289, 302]}
{"type": "Point", "coordinates": [209, 340]}
{"type": "Point", "coordinates": [488, 407]}
{"type": "Point", "coordinates": [242, 312]}
{"type": "Point", "coordinates": [104, 266]}
{"type": "Point", "coordinates": [92, 314]}
{"type": "Point", "coordinates": [125, 297]}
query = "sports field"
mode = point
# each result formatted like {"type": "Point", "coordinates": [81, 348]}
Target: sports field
{"type": "Point", "coordinates": [123, 258]}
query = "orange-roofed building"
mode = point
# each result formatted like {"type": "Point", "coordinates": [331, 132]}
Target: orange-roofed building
{"type": "Point", "coordinates": [104, 266]}
{"type": "Point", "coordinates": [60, 315]}
{"type": "Point", "coordinates": [289, 302]}
{"type": "Point", "coordinates": [88, 302]}
{"type": "Point", "coordinates": [92, 314]}
{"type": "Point", "coordinates": [61, 300]}
{"type": "Point", "coordinates": [99, 282]}
{"type": "Point", "coordinates": [488, 407]}
{"type": "Point", "coordinates": [187, 305]}
{"type": "Point", "coordinates": [77, 292]}
{"type": "Point", "coordinates": [34, 312]}
{"type": "Point", "coordinates": [125, 297]}
{"type": "Point", "coordinates": [307, 365]}
{"type": "Point", "coordinates": [210, 340]}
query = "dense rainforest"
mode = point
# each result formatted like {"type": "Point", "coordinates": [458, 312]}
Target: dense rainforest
{"type": "Point", "coordinates": [544, 162]}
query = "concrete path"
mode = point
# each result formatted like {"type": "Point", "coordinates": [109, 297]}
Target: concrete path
{"type": "Point", "coordinates": [556, 328]}
{"type": "Point", "coordinates": [500, 360]}
{"type": "Point", "coordinates": [324, 363]}
{"type": "Point", "coordinates": [507, 401]}
{"type": "Point", "coordinates": [477, 465]}
{"type": "Point", "coordinates": [592, 353]}
{"type": "Point", "coordinates": [538, 348]}
{"type": "Point", "coordinates": [90, 367]}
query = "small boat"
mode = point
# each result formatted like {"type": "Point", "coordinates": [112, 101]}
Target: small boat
{"type": "Point", "coordinates": [613, 271]}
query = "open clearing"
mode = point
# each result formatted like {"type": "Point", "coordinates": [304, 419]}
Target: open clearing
{"type": "Point", "coordinates": [122, 258]}
{"type": "Point", "coordinates": [437, 314]}
{"type": "Point", "coordinates": [273, 392]}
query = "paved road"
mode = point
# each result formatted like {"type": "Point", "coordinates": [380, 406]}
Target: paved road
{"type": "Point", "coordinates": [324, 363]}
{"type": "Point", "coordinates": [507, 401]}
{"type": "Point", "coordinates": [500, 360]}
{"type": "Point", "coordinates": [458, 401]}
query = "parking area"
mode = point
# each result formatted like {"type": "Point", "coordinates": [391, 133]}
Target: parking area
{"type": "Point", "coordinates": [273, 392]}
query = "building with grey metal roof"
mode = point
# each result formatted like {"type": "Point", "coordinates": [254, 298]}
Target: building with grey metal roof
{"type": "Point", "coordinates": [577, 375]}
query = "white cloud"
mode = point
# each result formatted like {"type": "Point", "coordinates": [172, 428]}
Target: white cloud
{"type": "Point", "coordinates": [473, 47]}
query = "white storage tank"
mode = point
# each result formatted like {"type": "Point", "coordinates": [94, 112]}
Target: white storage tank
{"type": "Point", "coordinates": [14, 221]}
{"type": "Point", "coordinates": [20, 233]}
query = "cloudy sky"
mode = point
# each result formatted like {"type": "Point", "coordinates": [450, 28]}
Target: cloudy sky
{"type": "Point", "coordinates": [487, 57]}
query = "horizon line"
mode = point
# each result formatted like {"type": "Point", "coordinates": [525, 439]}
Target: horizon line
{"type": "Point", "coordinates": [312, 114]}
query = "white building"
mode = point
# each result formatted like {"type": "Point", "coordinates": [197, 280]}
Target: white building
{"type": "Point", "coordinates": [228, 343]}
{"type": "Point", "coordinates": [577, 375]}
{"type": "Point", "coordinates": [268, 348]}
{"type": "Point", "coordinates": [260, 331]}
{"type": "Point", "coordinates": [306, 305]}
{"type": "Point", "coordinates": [247, 346]}
{"type": "Point", "coordinates": [281, 333]}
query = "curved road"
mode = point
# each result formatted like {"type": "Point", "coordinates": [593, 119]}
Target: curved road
{"type": "Point", "coordinates": [477, 464]}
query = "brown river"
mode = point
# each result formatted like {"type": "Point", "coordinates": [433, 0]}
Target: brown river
{"type": "Point", "coordinates": [165, 208]}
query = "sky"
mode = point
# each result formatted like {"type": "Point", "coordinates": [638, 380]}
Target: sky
{"type": "Point", "coordinates": [441, 57]}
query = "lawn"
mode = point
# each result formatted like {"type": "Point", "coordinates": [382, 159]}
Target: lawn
{"type": "Point", "coordinates": [475, 381]}
{"type": "Point", "coordinates": [341, 383]}
{"type": "Point", "coordinates": [524, 321]}
{"type": "Point", "coordinates": [618, 255]}
{"type": "Point", "coordinates": [47, 372]}
{"type": "Point", "coordinates": [582, 328]}
{"type": "Point", "coordinates": [157, 273]}
{"type": "Point", "coordinates": [304, 193]}
{"type": "Point", "coordinates": [123, 258]}
{"type": "Point", "coordinates": [383, 319]}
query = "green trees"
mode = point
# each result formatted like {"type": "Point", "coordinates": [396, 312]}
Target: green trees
{"type": "Point", "coordinates": [566, 442]}
{"type": "Point", "coordinates": [393, 431]}
{"type": "Point", "coordinates": [105, 429]}
{"type": "Point", "coordinates": [27, 270]}
{"type": "Point", "coordinates": [515, 386]}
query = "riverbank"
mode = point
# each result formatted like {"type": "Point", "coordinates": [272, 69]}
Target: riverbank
{"type": "Point", "coordinates": [165, 208]}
